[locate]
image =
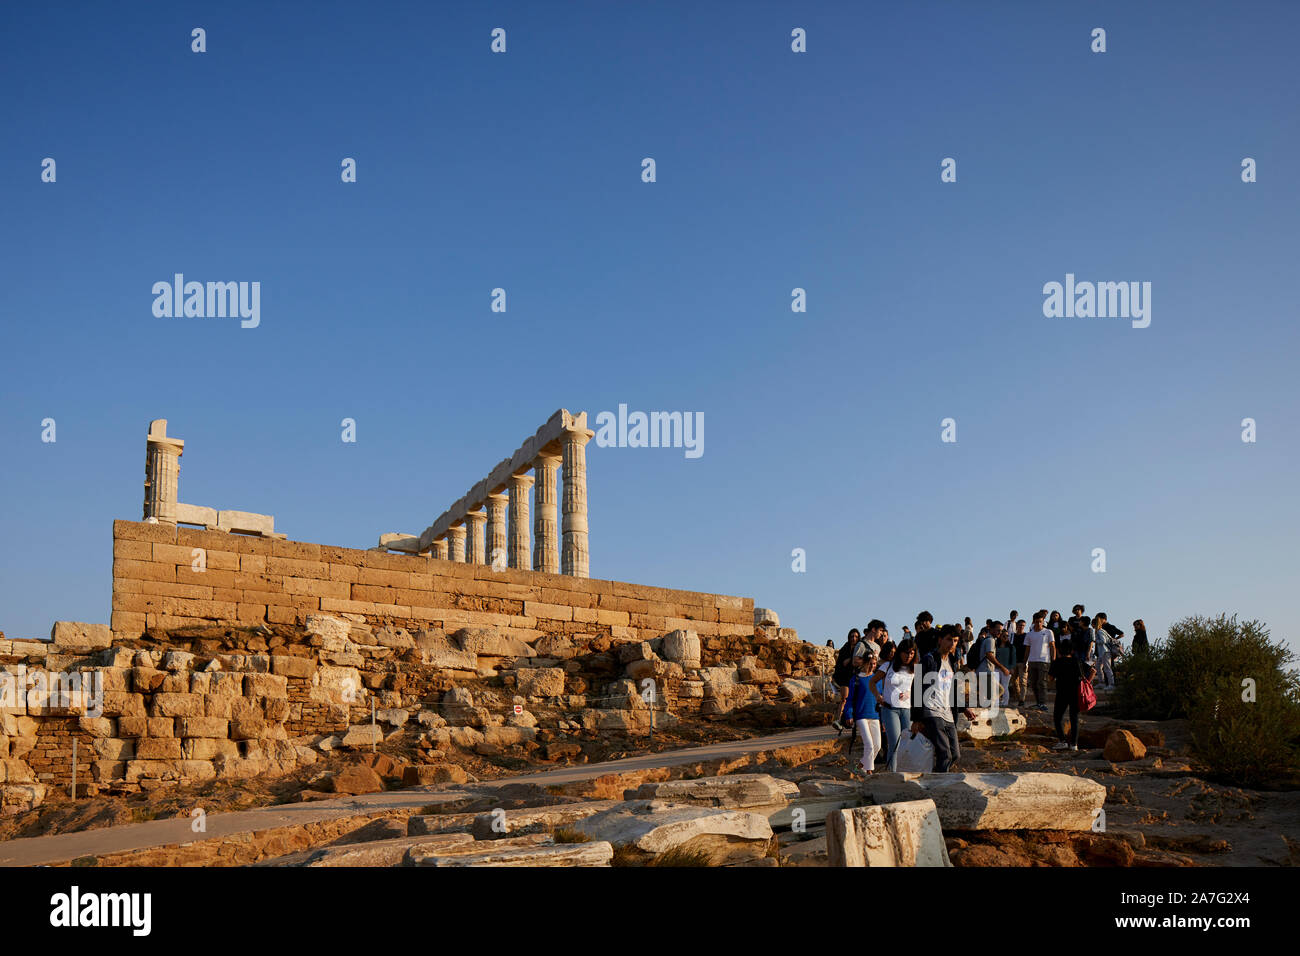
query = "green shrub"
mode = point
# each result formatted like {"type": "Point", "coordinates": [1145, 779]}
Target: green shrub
{"type": "Point", "coordinates": [1166, 682]}
{"type": "Point", "coordinates": [1200, 672]}
{"type": "Point", "coordinates": [1243, 742]}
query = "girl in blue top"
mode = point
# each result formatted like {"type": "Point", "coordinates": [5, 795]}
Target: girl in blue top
{"type": "Point", "coordinates": [862, 707]}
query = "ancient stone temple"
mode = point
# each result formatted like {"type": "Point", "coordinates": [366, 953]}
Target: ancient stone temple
{"type": "Point", "coordinates": [511, 555]}
{"type": "Point", "coordinates": [490, 524]}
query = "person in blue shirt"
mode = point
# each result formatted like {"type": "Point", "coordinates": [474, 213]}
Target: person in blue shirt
{"type": "Point", "coordinates": [862, 707]}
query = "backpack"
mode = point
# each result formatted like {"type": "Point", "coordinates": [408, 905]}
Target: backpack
{"type": "Point", "coordinates": [973, 656]}
{"type": "Point", "coordinates": [1087, 696]}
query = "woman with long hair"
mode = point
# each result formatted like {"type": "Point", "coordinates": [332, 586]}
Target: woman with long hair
{"type": "Point", "coordinates": [1101, 653]}
{"type": "Point", "coordinates": [892, 685]}
{"type": "Point", "coordinates": [1140, 645]}
{"type": "Point", "coordinates": [862, 708]}
{"type": "Point", "coordinates": [842, 676]}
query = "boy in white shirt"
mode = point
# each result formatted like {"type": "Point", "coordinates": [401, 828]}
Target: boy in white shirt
{"type": "Point", "coordinates": [1040, 652]}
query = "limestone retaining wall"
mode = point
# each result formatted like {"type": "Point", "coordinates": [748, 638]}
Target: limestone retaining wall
{"type": "Point", "coordinates": [251, 580]}
{"type": "Point", "coordinates": [255, 647]}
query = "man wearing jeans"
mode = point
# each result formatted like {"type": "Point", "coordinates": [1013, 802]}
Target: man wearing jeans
{"type": "Point", "coordinates": [1040, 652]}
{"type": "Point", "coordinates": [934, 715]}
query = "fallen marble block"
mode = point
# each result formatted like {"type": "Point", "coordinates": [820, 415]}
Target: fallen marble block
{"type": "Point", "coordinates": [501, 824]}
{"type": "Point", "coordinates": [498, 853]}
{"type": "Point", "coordinates": [735, 791]}
{"type": "Point", "coordinates": [896, 834]}
{"type": "Point", "coordinates": [654, 827]}
{"type": "Point", "coordinates": [996, 801]}
{"type": "Point", "coordinates": [989, 723]}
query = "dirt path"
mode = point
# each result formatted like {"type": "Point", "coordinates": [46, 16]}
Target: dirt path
{"type": "Point", "coordinates": [37, 851]}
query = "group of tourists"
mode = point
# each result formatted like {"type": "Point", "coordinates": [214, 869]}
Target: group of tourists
{"type": "Point", "coordinates": [917, 685]}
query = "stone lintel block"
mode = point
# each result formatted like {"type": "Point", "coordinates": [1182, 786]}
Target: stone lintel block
{"type": "Point", "coordinates": [406, 543]}
{"type": "Point", "coordinates": [196, 514]}
{"type": "Point", "coordinates": [245, 522]}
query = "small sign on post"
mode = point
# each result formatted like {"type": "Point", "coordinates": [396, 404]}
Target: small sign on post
{"type": "Point", "coordinates": [519, 708]}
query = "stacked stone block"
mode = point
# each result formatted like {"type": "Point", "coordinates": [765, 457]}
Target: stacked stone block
{"type": "Point", "coordinates": [249, 580]}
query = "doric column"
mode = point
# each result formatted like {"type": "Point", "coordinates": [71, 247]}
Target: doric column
{"type": "Point", "coordinates": [496, 530]}
{"type": "Point", "coordinates": [546, 539]}
{"type": "Point", "coordinates": [440, 549]}
{"type": "Point", "coordinates": [162, 469]}
{"type": "Point", "coordinates": [574, 557]}
{"type": "Point", "coordinates": [520, 539]}
{"type": "Point", "coordinates": [456, 535]}
{"type": "Point", "coordinates": [474, 520]}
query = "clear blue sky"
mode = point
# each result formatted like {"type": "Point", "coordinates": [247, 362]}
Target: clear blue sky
{"type": "Point", "coordinates": [775, 171]}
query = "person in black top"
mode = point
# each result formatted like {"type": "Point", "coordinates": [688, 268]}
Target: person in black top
{"type": "Point", "coordinates": [1140, 645]}
{"type": "Point", "coordinates": [1078, 620]}
{"type": "Point", "coordinates": [925, 634]}
{"type": "Point", "coordinates": [1116, 635]}
{"type": "Point", "coordinates": [1020, 678]}
{"type": "Point", "coordinates": [1081, 636]}
{"type": "Point", "coordinates": [934, 708]}
{"type": "Point", "coordinates": [1069, 670]}
{"type": "Point", "coordinates": [843, 674]}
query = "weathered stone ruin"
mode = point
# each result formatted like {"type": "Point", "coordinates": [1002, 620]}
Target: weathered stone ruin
{"type": "Point", "coordinates": [235, 652]}
{"type": "Point", "coordinates": [162, 468]}
{"type": "Point", "coordinates": [489, 525]}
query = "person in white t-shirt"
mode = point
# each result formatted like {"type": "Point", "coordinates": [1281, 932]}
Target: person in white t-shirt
{"type": "Point", "coordinates": [893, 682]}
{"type": "Point", "coordinates": [1041, 651]}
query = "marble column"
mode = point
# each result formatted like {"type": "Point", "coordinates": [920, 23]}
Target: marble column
{"type": "Point", "coordinates": [520, 540]}
{"type": "Point", "coordinates": [456, 535]}
{"type": "Point", "coordinates": [475, 521]}
{"type": "Point", "coordinates": [162, 469]}
{"type": "Point", "coordinates": [574, 557]}
{"type": "Point", "coordinates": [546, 541]}
{"type": "Point", "coordinates": [496, 530]}
{"type": "Point", "coordinates": [440, 549]}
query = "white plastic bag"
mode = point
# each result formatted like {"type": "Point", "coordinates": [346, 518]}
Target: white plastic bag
{"type": "Point", "coordinates": [915, 754]}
